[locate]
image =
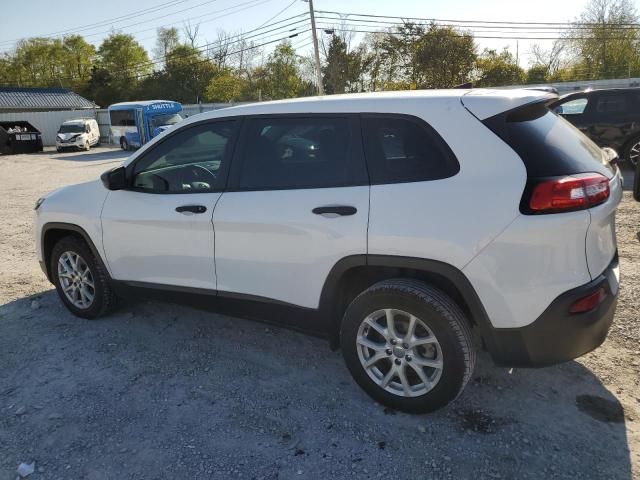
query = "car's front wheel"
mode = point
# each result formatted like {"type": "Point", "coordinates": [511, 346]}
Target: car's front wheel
{"type": "Point", "coordinates": [80, 279]}
{"type": "Point", "coordinates": [408, 345]}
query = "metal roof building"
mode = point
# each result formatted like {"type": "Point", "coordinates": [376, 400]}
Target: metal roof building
{"type": "Point", "coordinates": [23, 99]}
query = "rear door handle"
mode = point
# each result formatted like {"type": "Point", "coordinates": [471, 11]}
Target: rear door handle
{"type": "Point", "coordinates": [191, 209]}
{"type": "Point", "coordinates": [335, 210]}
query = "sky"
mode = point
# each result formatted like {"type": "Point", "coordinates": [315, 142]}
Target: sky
{"type": "Point", "coordinates": [44, 17]}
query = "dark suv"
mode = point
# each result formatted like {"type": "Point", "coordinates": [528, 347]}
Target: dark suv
{"type": "Point", "coordinates": [611, 118]}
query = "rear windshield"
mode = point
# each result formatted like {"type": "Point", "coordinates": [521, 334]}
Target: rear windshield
{"type": "Point", "coordinates": [547, 143]}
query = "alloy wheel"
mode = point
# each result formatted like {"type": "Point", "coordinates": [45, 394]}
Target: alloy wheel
{"type": "Point", "coordinates": [76, 280]}
{"type": "Point", "coordinates": [399, 352]}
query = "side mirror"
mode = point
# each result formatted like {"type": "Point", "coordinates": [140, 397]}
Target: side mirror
{"type": "Point", "coordinates": [115, 179]}
{"type": "Point", "coordinates": [636, 183]}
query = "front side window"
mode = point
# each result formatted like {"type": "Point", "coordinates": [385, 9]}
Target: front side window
{"type": "Point", "coordinates": [401, 149]}
{"type": "Point", "coordinates": [189, 161]}
{"type": "Point", "coordinates": [299, 152]}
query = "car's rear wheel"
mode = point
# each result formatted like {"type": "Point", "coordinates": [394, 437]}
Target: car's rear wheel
{"type": "Point", "coordinates": [124, 145]}
{"type": "Point", "coordinates": [80, 279]}
{"type": "Point", "coordinates": [408, 345]}
{"type": "Point", "coordinates": [632, 153]}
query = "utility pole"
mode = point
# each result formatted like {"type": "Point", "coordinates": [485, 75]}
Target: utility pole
{"type": "Point", "coordinates": [315, 48]}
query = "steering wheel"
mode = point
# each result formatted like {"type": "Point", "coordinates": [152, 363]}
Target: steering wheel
{"type": "Point", "coordinates": [198, 170]}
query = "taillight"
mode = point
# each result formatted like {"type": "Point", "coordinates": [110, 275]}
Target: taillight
{"type": "Point", "coordinates": [564, 194]}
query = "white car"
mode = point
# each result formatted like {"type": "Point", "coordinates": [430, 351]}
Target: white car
{"type": "Point", "coordinates": [81, 134]}
{"type": "Point", "coordinates": [400, 225]}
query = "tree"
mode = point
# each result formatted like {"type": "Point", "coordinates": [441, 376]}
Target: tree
{"type": "Point", "coordinates": [427, 56]}
{"type": "Point", "coordinates": [537, 74]}
{"type": "Point", "coordinates": [191, 32]}
{"type": "Point", "coordinates": [39, 61]}
{"type": "Point", "coordinates": [605, 46]}
{"type": "Point", "coordinates": [498, 69]}
{"type": "Point", "coordinates": [342, 69]}
{"type": "Point", "coordinates": [189, 73]}
{"type": "Point", "coordinates": [225, 87]}
{"type": "Point", "coordinates": [167, 39]}
{"type": "Point", "coordinates": [552, 59]}
{"type": "Point", "coordinates": [123, 57]}
{"type": "Point", "coordinates": [280, 77]}
{"type": "Point", "coordinates": [121, 63]}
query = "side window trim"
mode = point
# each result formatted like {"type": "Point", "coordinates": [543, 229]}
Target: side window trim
{"type": "Point", "coordinates": [226, 161]}
{"type": "Point", "coordinates": [421, 123]}
{"type": "Point", "coordinates": [357, 150]}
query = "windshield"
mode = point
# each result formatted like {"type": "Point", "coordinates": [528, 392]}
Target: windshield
{"type": "Point", "coordinates": [71, 128]}
{"type": "Point", "coordinates": [169, 119]}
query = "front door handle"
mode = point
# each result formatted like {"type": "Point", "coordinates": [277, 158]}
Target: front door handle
{"type": "Point", "coordinates": [335, 210]}
{"type": "Point", "coordinates": [191, 209]}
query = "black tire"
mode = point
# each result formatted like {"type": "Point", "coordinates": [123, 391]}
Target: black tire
{"type": "Point", "coordinates": [124, 145]}
{"type": "Point", "coordinates": [104, 300]}
{"type": "Point", "coordinates": [58, 149]}
{"type": "Point", "coordinates": [436, 310]}
{"type": "Point", "coordinates": [627, 150]}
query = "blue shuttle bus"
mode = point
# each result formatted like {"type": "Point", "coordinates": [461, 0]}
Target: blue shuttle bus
{"type": "Point", "coordinates": [135, 123]}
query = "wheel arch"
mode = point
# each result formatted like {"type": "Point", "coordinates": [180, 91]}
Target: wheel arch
{"type": "Point", "coordinates": [52, 232]}
{"type": "Point", "coordinates": [352, 275]}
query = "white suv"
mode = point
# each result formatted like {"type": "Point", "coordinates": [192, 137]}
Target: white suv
{"type": "Point", "coordinates": [399, 225]}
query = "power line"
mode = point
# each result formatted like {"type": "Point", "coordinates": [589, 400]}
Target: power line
{"type": "Point", "coordinates": [470, 34]}
{"type": "Point", "coordinates": [488, 28]}
{"type": "Point", "coordinates": [437, 20]}
{"type": "Point", "coordinates": [246, 6]}
{"type": "Point", "coordinates": [206, 48]}
{"type": "Point", "coordinates": [251, 47]}
{"type": "Point", "coordinates": [277, 14]}
{"type": "Point", "coordinates": [103, 22]}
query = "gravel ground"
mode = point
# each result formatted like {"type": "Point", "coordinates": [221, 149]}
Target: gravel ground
{"type": "Point", "coordinates": [166, 391]}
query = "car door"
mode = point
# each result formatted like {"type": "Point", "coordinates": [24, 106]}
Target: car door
{"type": "Point", "coordinates": [159, 230]}
{"type": "Point", "coordinates": [297, 203]}
{"type": "Point", "coordinates": [610, 116]}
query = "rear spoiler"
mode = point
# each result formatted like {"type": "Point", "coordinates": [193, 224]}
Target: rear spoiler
{"type": "Point", "coordinates": [484, 104]}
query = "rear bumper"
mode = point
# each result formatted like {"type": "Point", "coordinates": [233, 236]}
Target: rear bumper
{"type": "Point", "coordinates": [558, 335]}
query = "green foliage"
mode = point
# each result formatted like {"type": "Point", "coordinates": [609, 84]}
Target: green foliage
{"type": "Point", "coordinates": [280, 76]}
{"type": "Point", "coordinates": [189, 73]}
{"type": "Point", "coordinates": [538, 74]}
{"type": "Point", "coordinates": [342, 70]}
{"type": "Point", "coordinates": [498, 69]}
{"type": "Point", "coordinates": [225, 87]}
{"type": "Point", "coordinates": [607, 48]}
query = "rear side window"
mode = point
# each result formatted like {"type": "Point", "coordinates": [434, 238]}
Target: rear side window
{"type": "Point", "coordinates": [612, 104]}
{"type": "Point", "coordinates": [402, 149]}
{"type": "Point", "coordinates": [547, 143]}
{"type": "Point", "coordinates": [300, 152]}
